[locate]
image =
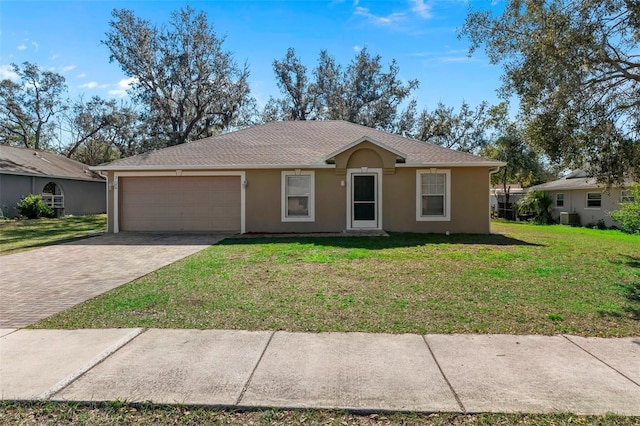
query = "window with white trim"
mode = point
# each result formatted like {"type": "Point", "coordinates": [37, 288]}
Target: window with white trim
{"type": "Point", "coordinates": [594, 200]}
{"type": "Point", "coordinates": [433, 195]}
{"type": "Point", "coordinates": [627, 197]}
{"type": "Point", "coordinates": [559, 200]}
{"type": "Point", "coordinates": [298, 204]}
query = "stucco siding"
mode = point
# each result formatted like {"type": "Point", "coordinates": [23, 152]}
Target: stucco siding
{"type": "Point", "coordinates": [80, 197]}
{"type": "Point", "coordinates": [264, 203]}
{"type": "Point", "coordinates": [469, 203]}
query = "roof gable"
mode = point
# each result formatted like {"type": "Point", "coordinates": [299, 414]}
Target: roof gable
{"type": "Point", "coordinates": [363, 139]}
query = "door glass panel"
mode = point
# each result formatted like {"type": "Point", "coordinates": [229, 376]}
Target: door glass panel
{"type": "Point", "coordinates": [364, 188]}
{"type": "Point", "coordinates": [364, 211]}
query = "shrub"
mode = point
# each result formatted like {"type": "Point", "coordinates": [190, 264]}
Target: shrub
{"type": "Point", "coordinates": [537, 204]}
{"type": "Point", "coordinates": [628, 216]}
{"type": "Point", "coordinates": [32, 207]}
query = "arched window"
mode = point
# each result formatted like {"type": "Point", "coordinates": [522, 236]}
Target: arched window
{"type": "Point", "coordinates": [52, 195]}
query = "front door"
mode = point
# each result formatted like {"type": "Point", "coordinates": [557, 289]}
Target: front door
{"type": "Point", "coordinates": [364, 200]}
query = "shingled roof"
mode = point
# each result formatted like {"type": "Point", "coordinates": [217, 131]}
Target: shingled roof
{"type": "Point", "coordinates": [301, 144]}
{"type": "Point", "coordinates": [578, 179]}
{"type": "Point", "coordinates": [34, 162]}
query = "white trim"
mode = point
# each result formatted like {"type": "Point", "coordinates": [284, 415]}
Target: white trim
{"type": "Point", "coordinates": [359, 171]}
{"type": "Point", "coordinates": [283, 196]}
{"type": "Point", "coordinates": [447, 196]}
{"type": "Point", "coordinates": [413, 165]}
{"type": "Point", "coordinates": [557, 205]}
{"type": "Point", "coordinates": [205, 167]}
{"type": "Point", "coordinates": [365, 139]}
{"type": "Point", "coordinates": [79, 179]}
{"type": "Point", "coordinates": [178, 172]}
{"type": "Point", "coordinates": [285, 166]}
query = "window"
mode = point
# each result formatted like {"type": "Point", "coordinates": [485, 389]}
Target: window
{"type": "Point", "coordinates": [627, 197]}
{"type": "Point", "coordinates": [433, 195]}
{"type": "Point", "coordinates": [559, 200]}
{"type": "Point", "coordinates": [594, 200]}
{"type": "Point", "coordinates": [298, 196]}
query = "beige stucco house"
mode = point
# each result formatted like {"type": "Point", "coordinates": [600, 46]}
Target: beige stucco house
{"type": "Point", "coordinates": [580, 200]}
{"type": "Point", "coordinates": [301, 176]}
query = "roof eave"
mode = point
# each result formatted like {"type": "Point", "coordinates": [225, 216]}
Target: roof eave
{"type": "Point", "coordinates": [107, 168]}
{"type": "Point", "coordinates": [45, 176]}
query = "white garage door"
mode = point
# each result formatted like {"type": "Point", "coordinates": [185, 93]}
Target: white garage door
{"type": "Point", "coordinates": [179, 203]}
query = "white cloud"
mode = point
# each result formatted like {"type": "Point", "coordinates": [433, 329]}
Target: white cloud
{"type": "Point", "coordinates": [21, 47]}
{"type": "Point", "coordinates": [81, 75]}
{"type": "Point", "coordinates": [35, 45]}
{"type": "Point", "coordinates": [93, 85]}
{"type": "Point", "coordinates": [123, 85]}
{"type": "Point", "coordinates": [7, 73]}
{"type": "Point", "coordinates": [380, 20]}
{"type": "Point", "coordinates": [456, 59]}
{"type": "Point", "coordinates": [423, 10]}
{"type": "Point", "coordinates": [68, 68]}
{"type": "Point", "coordinates": [54, 56]}
{"type": "Point", "coordinates": [357, 48]}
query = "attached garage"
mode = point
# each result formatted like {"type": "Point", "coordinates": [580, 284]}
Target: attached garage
{"type": "Point", "coordinates": [180, 203]}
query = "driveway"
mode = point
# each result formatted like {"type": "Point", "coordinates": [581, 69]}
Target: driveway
{"type": "Point", "coordinates": [38, 283]}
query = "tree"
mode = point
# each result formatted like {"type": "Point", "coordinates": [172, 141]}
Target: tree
{"type": "Point", "coordinates": [464, 130]}
{"type": "Point", "coordinates": [538, 205]}
{"type": "Point", "coordinates": [363, 93]}
{"type": "Point", "coordinates": [27, 109]}
{"type": "Point", "coordinates": [188, 84]}
{"type": "Point", "coordinates": [99, 130]}
{"type": "Point", "coordinates": [575, 67]}
{"type": "Point", "coordinates": [301, 101]}
{"type": "Point", "coordinates": [523, 163]}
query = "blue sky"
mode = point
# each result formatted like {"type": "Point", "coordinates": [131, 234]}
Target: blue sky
{"type": "Point", "coordinates": [64, 36]}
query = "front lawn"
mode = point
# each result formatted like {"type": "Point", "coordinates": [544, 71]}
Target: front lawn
{"type": "Point", "coordinates": [528, 280]}
{"type": "Point", "coordinates": [21, 235]}
{"type": "Point", "coordinates": [121, 413]}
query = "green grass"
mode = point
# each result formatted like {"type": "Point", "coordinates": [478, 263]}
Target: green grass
{"type": "Point", "coordinates": [121, 413]}
{"type": "Point", "coordinates": [21, 235]}
{"type": "Point", "coordinates": [529, 280]}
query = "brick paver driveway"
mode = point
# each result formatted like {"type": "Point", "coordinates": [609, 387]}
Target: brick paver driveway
{"type": "Point", "coordinates": [38, 283]}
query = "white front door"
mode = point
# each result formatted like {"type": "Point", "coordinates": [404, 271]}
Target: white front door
{"type": "Point", "coordinates": [364, 200]}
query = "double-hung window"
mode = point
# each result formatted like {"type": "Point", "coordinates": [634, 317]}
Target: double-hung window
{"type": "Point", "coordinates": [559, 200]}
{"type": "Point", "coordinates": [298, 204]}
{"type": "Point", "coordinates": [594, 200]}
{"type": "Point", "coordinates": [627, 197]}
{"type": "Point", "coordinates": [433, 195]}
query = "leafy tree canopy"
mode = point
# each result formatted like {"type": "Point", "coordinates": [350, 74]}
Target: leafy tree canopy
{"type": "Point", "coordinates": [575, 66]}
{"type": "Point", "coordinates": [27, 108]}
{"type": "Point", "coordinates": [363, 92]}
{"type": "Point", "coordinates": [189, 86]}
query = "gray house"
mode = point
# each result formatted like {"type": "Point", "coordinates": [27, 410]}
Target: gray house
{"type": "Point", "coordinates": [580, 200]}
{"type": "Point", "coordinates": [67, 186]}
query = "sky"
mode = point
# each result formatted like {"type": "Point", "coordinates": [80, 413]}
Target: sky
{"type": "Point", "coordinates": [421, 35]}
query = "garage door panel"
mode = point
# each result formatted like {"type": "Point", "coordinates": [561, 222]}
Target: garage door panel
{"type": "Point", "coordinates": [180, 203]}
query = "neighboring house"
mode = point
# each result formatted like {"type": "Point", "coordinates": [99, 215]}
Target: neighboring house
{"type": "Point", "coordinates": [67, 186]}
{"type": "Point", "coordinates": [498, 198]}
{"type": "Point", "coordinates": [297, 177]}
{"type": "Point", "coordinates": [579, 200]}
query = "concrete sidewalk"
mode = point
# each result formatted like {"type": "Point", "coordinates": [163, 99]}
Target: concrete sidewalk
{"type": "Point", "coordinates": [355, 371]}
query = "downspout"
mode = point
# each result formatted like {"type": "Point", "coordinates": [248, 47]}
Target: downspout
{"type": "Point", "coordinates": [492, 170]}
